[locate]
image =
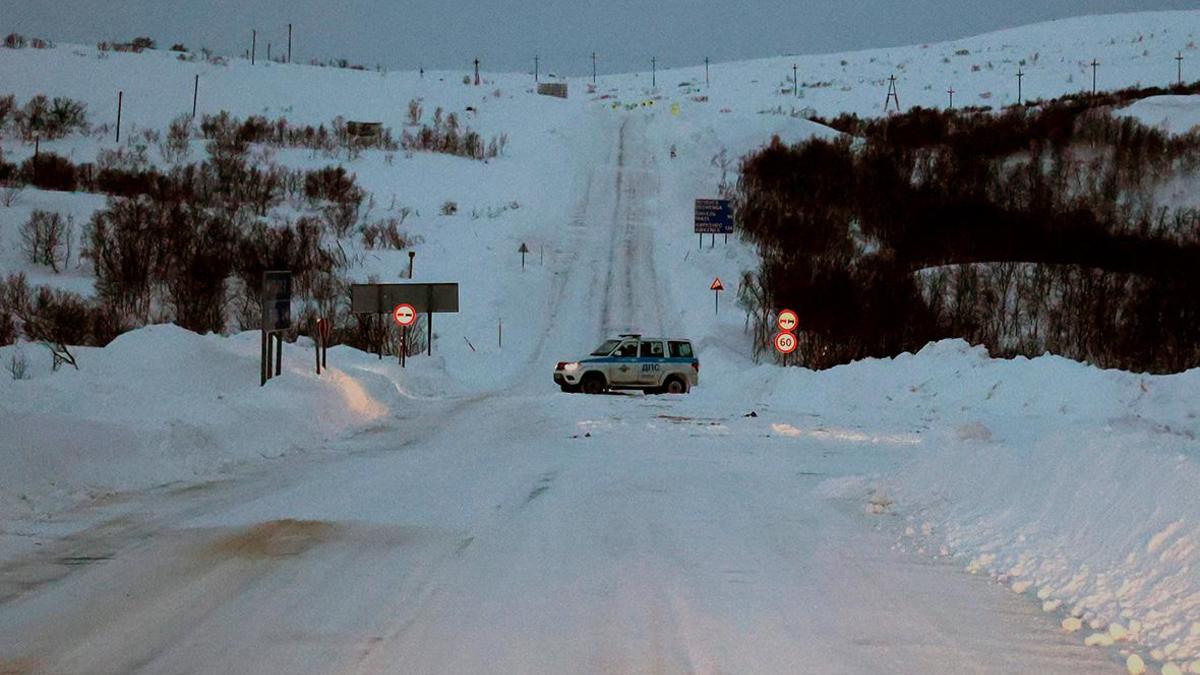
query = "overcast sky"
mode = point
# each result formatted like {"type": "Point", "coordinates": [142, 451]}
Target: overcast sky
{"type": "Point", "coordinates": [505, 34]}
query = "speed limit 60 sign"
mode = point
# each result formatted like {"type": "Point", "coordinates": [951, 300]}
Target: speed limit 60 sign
{"type": "Point", "coordinates": [787, 321]}
{"type": "Point", "coordinates": [785, 342]}
{"type": "Point", "coordinates": [404, 315]}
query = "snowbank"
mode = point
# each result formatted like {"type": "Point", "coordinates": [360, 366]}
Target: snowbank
{"type": "Point", "coordinates": [1072, 484]}
{"type": "Point", "coordinates": [161, 404]}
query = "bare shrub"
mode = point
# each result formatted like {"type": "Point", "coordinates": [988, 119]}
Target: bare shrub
{"type": "Point", "coordinates": [414, 112]}
{"type": "Point", "coordinates": [10, 192]}
{"type": "Point", "coordinates": [449, 208]}
{"type": "Point", "coordinates": [177, 147]}
{"type": "Point", "coordinates": [384, 234]}
{"type": "Point", "coordinates": [18, 367]}
{"type": "Point", "coordinates": [14, 41]}
{"type": "Point", "coordinates": [46, 239]}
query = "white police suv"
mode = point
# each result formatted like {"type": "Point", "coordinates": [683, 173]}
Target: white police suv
{"type": "Point", "coordinates": [654, 365]}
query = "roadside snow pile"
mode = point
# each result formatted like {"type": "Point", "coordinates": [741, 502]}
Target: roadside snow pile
{"type": "Point", "coordinates": [161, 404]}
{"type": "Point", "coordinates": [1066, 481]}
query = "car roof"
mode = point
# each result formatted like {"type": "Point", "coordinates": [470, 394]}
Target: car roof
{"type": "Point", "coordinates": [648, 338]}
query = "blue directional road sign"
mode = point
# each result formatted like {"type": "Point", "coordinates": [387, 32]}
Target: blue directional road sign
{"type": "Point", "coordinates": [714, 216]}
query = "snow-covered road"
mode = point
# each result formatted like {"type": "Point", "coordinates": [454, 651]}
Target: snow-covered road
{"type": "Point", "coordinates": [528, 531]}
{"type": "Point", "coordinates": [548, 533]}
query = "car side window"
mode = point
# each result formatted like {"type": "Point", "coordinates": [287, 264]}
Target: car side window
{"type": "Point", "coordinates": [681, 350]}
{"type": "Point", "coordinates": [627, 349]}
{"type": "Point", "coordinates": [652, 349]}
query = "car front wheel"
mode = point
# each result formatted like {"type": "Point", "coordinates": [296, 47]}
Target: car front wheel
{"type": "Point", "coordinates": [592, 384]}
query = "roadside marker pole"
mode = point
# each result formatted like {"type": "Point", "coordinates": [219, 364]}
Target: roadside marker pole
{"type": "Point", "coordinates": [500, 334]}
{"type": "Point", "coordinates": [120, 104]}
{"type": "Point", "coordinates": [253, 45]}
{"type": "Point", "coordinates": [195, 95]}
{"type": "Point", "coordinates": [289, 43]}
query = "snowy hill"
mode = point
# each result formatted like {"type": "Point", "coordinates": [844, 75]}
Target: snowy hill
{"type": "Point", "coordinates": [1070, 484]}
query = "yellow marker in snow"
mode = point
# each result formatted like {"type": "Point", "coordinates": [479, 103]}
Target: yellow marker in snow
{"type": "Point", "coordinates": [675, 109]}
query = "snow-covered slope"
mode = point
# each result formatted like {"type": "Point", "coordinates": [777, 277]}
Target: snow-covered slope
{"type": "Point", "coordinates": [1070, 483]}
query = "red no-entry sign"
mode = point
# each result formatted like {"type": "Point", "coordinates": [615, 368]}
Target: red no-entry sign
{"type": "Point", "coordinates": [787, 321]}
{"type": "Point", "coordinates": [404, 315]}
{"type": "Point", "coordinates": [785, 342]}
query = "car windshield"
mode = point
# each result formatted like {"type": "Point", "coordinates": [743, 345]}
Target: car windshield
{"type": "Point", "coordinates": [606, 348]}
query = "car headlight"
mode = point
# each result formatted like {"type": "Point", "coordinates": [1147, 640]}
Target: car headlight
{"type": "Point", "coordinates": [569, 367]}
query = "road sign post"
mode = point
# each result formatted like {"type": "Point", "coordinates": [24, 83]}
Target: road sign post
{"type": "Point", "coordinates": [276, 301]}
{"type": "Point", "coordinates": [380, 299]}
{"type": "Point", "coordinates": [716, 287]}
{"type": "Point", "coordinates": [787, 321]}
{"type": "Point", "coordinates": [404, 315]}
{"type": "Point", "coordinates": [713, 216]}
{"type": "Point", "coordinates": [785, 342]}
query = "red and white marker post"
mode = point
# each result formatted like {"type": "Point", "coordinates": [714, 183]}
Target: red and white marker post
{"type": "Point", "coordinates": [404, 315]}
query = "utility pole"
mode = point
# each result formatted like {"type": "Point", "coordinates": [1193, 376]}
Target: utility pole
{"type": "Point", "coordinates": [1020, 98]}
{"type": "Point", "coordinates": [796, 81]}
{"type": "Point", "coordinates": [535, 68]}
{"type": "Point", "coordinates": [253, 45]}
{"type": "Point", "coordinates": [1094, 64]}
{"type": "Point", "coordinates": [706, 71]}
{"type": "Point", "coordinates": [476, 72]}
{"type": "Point", "coordinates": [1179, 68]}
{"type": "Point", "coordinates": [951, 92]}
{"type": "Point", "coordinates": [195, 95]}
{"type": "Point", "coordinates": [653, 71]}
{"type": "Point", "coordinates": [289, 43]}
{"type": "Point", "coordinates": [891, 95]}
{"type": "Point", "coordinates": [593, 67]}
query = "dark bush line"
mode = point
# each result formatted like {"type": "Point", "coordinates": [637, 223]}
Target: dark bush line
{"type": "Point", "coordinates": [915, 233]}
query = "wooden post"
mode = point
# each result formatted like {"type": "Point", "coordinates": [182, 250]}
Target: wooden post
{"type": "Point", "coordinates": [268, 52]}
{"type": "Point", "coordinates": [270, 353]}
{"type": "Point", "coordinates": [535, 68]}
{"type": "Point", "coordinates": [500, 333]}
{"type": "Point", "coordinates": [1020, 95]}
{"type": "Point", "coordinates": [1094, 64]}
{"type": "Point", "coordinates": [1179, 68]}
{"type": "Point", "coordinates": [289, 43]}
{"type": "Point", "coordinates": [951, 92]}
{"type": "Point", "coordinates": [476, 72]}
{"type": "Point", "coordinates": [262, 359]}
{"type": "Point", "coordinates": [653, 71]}
{"type": "Point", "coordinates": [593, 67]}
{"type": "Point", "coordinates": [706, 71]}
{"type": "Point", "coordinates": [795, 81]}
{"type": "Point", "coordinates": [120, 103]}
{"type": "Point", "coordinates": [253, 45]}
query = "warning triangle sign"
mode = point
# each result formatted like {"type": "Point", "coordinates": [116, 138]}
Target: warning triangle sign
{"type": "Point", "coordinates": [717, 285]}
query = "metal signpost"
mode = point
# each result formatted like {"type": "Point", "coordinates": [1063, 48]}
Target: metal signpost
{"type": "Point", "coordinates": [716, 287]}
{"type": "Point", "coordinates": [276, 317]}
{"type": "Point", "coordinates": [713, 216]}
{"type": "Point", "coordinates": [383, 298]}
{"type": "Point", "coordinates": [785, 340]}
{"type": "Point", "coordinates": [404, 315]}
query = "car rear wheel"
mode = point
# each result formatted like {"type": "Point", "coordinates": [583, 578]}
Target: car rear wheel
{"type": "Point", "coordinates": [674, 385]}
{"type": "Point", "coordinates": [569, 388]}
